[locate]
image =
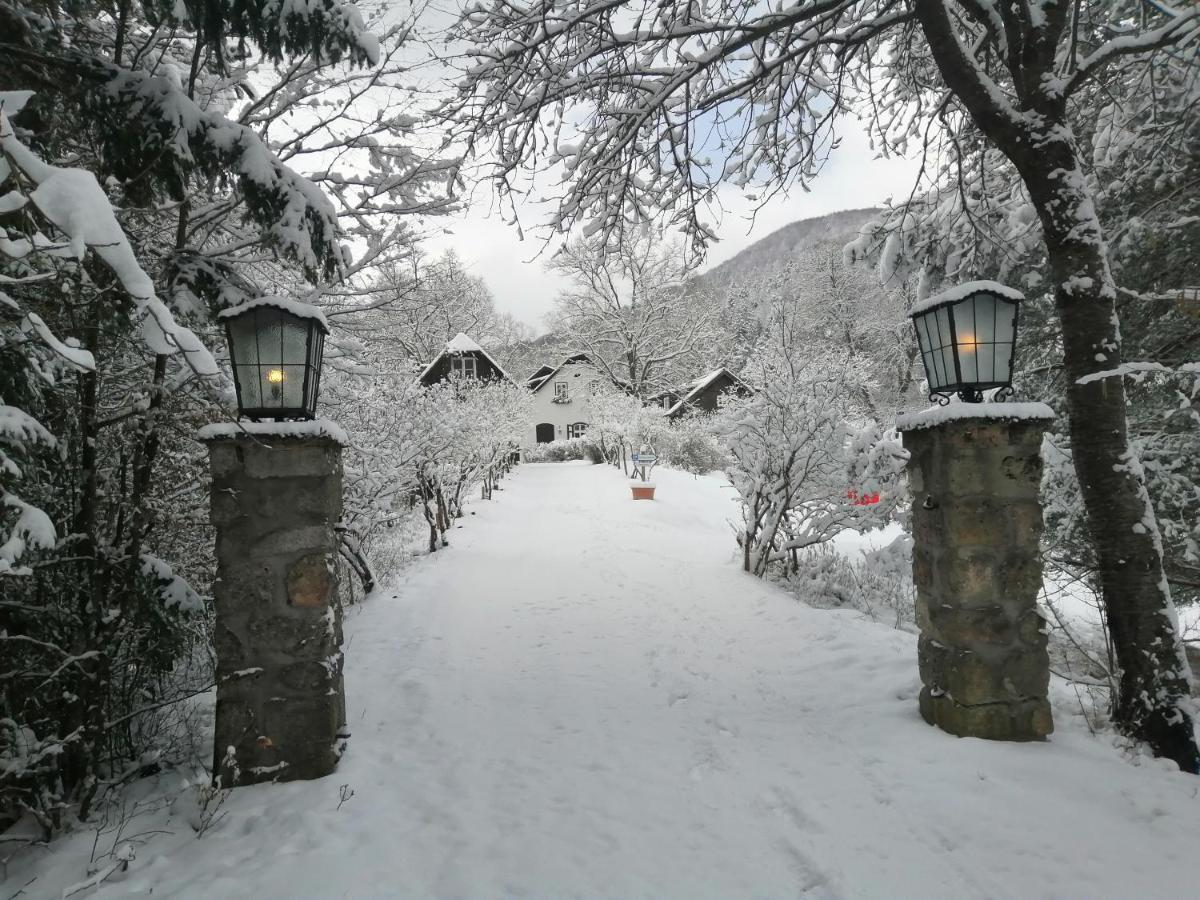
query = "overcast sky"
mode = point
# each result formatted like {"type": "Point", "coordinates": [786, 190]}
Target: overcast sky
{"type": "Point", "coordinates": [493, 250]}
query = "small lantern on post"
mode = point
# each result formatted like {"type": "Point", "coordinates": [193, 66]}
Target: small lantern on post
{"type": "Point", "coordinates": [275, 347]}
{"type": "Point", "coordinates": [967, 337]}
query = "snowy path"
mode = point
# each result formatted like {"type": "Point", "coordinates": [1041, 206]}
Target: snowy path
{"type": "Point", "coordinates": [584, 697]}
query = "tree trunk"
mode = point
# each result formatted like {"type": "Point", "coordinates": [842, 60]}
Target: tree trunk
{"type": "Point", "coordinates": [1155, 682]}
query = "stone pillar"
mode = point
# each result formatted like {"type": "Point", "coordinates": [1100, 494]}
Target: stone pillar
{"type": "Point", "coordinates": [977, 520]}
{"type": "Point", "coordinates": [280, 702]}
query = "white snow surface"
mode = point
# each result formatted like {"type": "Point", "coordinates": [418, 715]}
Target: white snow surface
{"type": "Point", "coordinates": [312, 428]}
{"type": "Point", "coordinates": [960, 291]}
{"type": "Point", "coordinates": [958, 412]}
{"type": "Point", "coordinates": [295, 307]}
{"type": "Point", "coordinates": [585, 697]}
{"type": "Point", "coordinates": [460, 343]}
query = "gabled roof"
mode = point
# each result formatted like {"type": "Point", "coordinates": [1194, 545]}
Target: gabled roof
{"type": "Point", "coordinates": [694, 389]}
{"type": "Point", "coordinates": [535, 380]}
{"type": "Point", "coordinates": [457, 346]}
{"type": "Point", "coordinates": [535, 387]}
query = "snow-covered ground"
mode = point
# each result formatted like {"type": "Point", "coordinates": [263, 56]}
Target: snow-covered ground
{"type": "Point", "coordinates": [584, 697]}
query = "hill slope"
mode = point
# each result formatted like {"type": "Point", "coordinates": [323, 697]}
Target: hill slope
{"type": "Point", "coordinates": [785, 243]}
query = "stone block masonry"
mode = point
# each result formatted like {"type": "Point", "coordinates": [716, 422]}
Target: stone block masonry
{"type": "Point", "coordinates": [280, 699]}
{"type": "Point", "coordinates": [977, 521]}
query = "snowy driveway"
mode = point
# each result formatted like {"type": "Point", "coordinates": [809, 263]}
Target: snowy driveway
{"type": "Point", "coordinates": [585, 697]}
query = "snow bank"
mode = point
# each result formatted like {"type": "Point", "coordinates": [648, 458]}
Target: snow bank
{"type": "Point", "coordinates": [583, 696]}
{"type": "Point", "coordinates": [309, 429]}
{"type": "Point", "coordinates": [961, 412]}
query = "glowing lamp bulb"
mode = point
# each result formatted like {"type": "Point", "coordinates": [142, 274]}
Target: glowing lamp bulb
{"type": "Point", "coordinates": [968, 343]}
{"type": "Point", "coordinates": [275, 376]}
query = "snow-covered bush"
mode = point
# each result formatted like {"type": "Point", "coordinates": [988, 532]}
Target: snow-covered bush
{"type": "Point", "coordinates": [802, 469]}
{"type": "Point", "coordinates": [565, 450]}
{"type": "Point", "coordinates": [691, 444]}
{"type": "Point", "coordinates": [877, 582]}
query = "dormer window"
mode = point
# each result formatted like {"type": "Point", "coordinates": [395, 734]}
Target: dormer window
{"type": "Point", "coordinates": [462, 366]}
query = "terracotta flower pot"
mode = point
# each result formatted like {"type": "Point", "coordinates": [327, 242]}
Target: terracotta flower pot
{"type": "Point", "coordinates": [642, 491]}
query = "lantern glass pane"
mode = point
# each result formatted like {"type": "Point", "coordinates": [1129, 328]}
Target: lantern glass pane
{"type": "Point", "coordinates": [243, 340]}
{"type": "Point", "coordinates": [1006, 323]}
{"type": "Point", "coordinates": [1006, 317]}
{"type": "Point", "coordinates": [925, 339]}
{"type": "Point", "coordinates": [295, 341]}
{"type": "Point", "coordinates": [248, 378]}
{"type": "Point", "coordinates": [931, 347]}
{"type": "Point", "coordinates": [946, 347]}
{"type": "Point", "coordinates": [270, 336]}
{"type": "Point", "coordinates": [293, 386]}
{"type": "Point", "coordinates": [965, 332]}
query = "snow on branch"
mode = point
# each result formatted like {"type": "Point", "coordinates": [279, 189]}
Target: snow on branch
{"type": "Point", "coordinates": [1182, 27]}
{"type": "Point", "coordinates": [32, 529]}
{"type": "Point", "coordinates": [1130, 369]}
{"type": "Point", "coordinates": [176, 136]}
{"type": "Point", "coordinates": [75, 203]}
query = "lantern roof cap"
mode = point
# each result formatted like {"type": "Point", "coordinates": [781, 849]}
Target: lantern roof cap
{"type": "Point", "coordinates": [962, 291]}
{"type": "Point", "coordinates": [958, 412]}
{"type": "Point", "coordinates": [295, 307]}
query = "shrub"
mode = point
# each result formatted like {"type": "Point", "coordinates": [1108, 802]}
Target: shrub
{"type": "Point", "coordinates": [693, 448]}
{"type": "Point", "coordinates": [564, 451]}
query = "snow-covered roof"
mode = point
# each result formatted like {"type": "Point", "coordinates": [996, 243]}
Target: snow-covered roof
{"type": "Point", "coordinates": [461, 343]}
{"type": "Point", "coordinates": [959, 412]}
{"type": "Point", "coordinates": [310, 429]}
{"type": "Point", "coordinates": [697, 387]}
{"type": "Point", "coordinates": [959, 292]}
{"type": "Point", "coordinates": [546, 379]}
{"type": "Point", "coordinates": [295, 307]}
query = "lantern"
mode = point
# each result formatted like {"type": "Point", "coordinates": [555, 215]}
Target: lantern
{"type": "Point", "coordinates": [967, 336]}
{"type": "Point", "coordinates": [275, 347]}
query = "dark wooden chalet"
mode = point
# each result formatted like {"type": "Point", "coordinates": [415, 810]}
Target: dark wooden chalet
{"type": "Point", "coordinates": [703, 394]}
{"type": "Point", "coordinates": [462, 358]}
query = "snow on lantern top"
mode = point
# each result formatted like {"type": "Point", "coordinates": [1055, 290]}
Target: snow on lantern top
{"type": "Point", "coordinates": [967, 336]}
{"type": "Point", "coordinates": [275, 347]}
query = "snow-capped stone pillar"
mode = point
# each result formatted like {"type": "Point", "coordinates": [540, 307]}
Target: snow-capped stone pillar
{"type": "Point", "coordinates": [276, 497]}
{"type": "Point", "coordinates": [975, 470]}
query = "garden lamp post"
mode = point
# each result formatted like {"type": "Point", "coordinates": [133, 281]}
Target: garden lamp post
{"type": "Point", "coordinates": [967, 336]}
{"type": "Point", "coordinates": [276, 502]}
{"type": "Point", "coordinates": [974, 473]}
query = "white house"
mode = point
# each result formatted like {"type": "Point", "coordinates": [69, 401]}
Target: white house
{"type": "Point", "coordinates": [562, 399]}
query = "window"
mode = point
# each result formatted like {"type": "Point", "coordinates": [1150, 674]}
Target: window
{"type": "Point", "coordinates": [578, 430]}
{"type": "Point", "coordinates": [462, 366]}
{"type": "Point", "coordinates": [560, 390]}
{"type": "Point", "coordinates": [593, 388]}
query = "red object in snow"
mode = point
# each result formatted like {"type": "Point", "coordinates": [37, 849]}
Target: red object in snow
{"type": "Point", "coordinates": [863, 499]}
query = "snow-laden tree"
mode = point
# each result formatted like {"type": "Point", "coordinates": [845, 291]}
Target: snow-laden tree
{"type": "Point", "coordinates": [634, 311]}
{"type": "Point", "coordinates": [415, 309]}
{"type": "Point", "coordinates": [156, 167]}
{"type": "Point", "coordinates": [622, 425]}
{"type": "Point", "coordinates": [425, 449]}
{"type": "Point", "coordinates": [647, 107]}
{"type": "Point", "coordinates": [805, 460]}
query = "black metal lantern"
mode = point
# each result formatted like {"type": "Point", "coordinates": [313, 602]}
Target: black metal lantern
{"type": "Point", "coordinates": [967, 337]}
{"type": "Point", "coordinates": [275, 347]}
